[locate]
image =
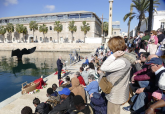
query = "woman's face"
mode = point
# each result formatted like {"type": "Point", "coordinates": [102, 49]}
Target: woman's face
{"type": "Point", "coordinates": [151, 34]}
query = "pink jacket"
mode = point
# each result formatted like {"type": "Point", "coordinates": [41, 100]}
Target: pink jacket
{"type": "Point", "coordinates": [155, 38]}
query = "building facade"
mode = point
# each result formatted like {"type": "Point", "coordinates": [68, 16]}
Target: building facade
{"type": "Point", "coordinates": [49, 20]}
{"type": "Point", "coordinates": [157, 22]}
{"type": "Point", "coordinates": [116, 28]}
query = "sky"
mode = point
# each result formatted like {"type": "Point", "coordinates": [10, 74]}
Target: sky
{"type": "Point", "coordinates": [9, 8]}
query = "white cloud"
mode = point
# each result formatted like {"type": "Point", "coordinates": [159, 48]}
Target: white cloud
{"type": "Point", "coordinates": [7, 2]}
{"type": "Point", "coordinates": [50, 7]}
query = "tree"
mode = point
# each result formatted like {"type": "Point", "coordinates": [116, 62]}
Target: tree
{"type": "Point", "coordinates": [129, 22]}
{"type": "Point", "coordinates": [44, 29]}
{"type": "Point", "coordinates": [105, 27]}
{"type": "Point", "coordinates": [10, 29]}
{"type": "Point", "coordinates": [142, 7]}
{"type": "Point", "coordinates": [25, 31]}
{"type": "Point", "coordinates": [152, 2]}
{"type": "Point", "coordinates": [58, 28]}
{"type": "Point", "coordinates": [33, 26]}
{"type": "Point", "coordinates": [72, 28]}
{"type": "Point", "coordinates": [2, 32]}
{"type": "Point", "coordinates": [85, 28]}
{"type": "Point", "coordinates": [19, 29]}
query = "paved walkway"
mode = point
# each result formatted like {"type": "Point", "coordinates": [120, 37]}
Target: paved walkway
{"type": "Point", "coordinates": [27, 99]}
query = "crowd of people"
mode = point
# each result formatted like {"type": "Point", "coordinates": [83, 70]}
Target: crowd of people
{"type": "Point", "coordinates": [129, 70]}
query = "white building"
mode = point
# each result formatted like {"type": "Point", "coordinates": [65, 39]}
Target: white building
{"type": "Point", "coordinates": [158, 22]}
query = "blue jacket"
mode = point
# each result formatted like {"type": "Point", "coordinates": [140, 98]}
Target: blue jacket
{"type": "Point", "coordinates": [92, 87]}
{"type": "Point", "coordinates": [98, 104]}
{"type": "Point", "coordinates": [59, 64]}
{"type": "Point", "coordinates": [86, 62]}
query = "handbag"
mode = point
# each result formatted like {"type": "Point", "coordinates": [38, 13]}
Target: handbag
{"type": "Point", "coordinates": [107, 86]}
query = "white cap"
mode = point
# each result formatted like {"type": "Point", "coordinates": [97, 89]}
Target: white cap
{"type": "Point", "coordinates": [161, 82]}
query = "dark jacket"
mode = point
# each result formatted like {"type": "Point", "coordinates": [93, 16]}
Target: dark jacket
{"type": "Point", "coordinates": [98, 104]}
{"type": "Point", "coordinates": [42, 108]}
{"type": "Point", "coordinates": [59, 64]}
{"type": "Point", "coordinates": [160, 38]}
{"type": "Point", "coordinates": [66, 106]}
{"type": "Point", "coordinates": [154, 86]}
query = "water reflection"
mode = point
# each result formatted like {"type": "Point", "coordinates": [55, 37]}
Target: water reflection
{"type": "Point", "coordinates": [13, 73]}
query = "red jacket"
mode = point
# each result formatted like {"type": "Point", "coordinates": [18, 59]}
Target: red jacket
{"type": "Point", "coordinates": [81, 80]}
{"type": "Point", "coordinates": [144, 74]}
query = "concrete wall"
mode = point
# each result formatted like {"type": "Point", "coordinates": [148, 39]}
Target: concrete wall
{"type": "Point", "coordinates": [84, 47]}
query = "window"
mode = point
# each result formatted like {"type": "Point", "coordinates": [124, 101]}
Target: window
{"type": "Point", "coordinates": [162, 25]}
{"type": "Point", "coordinates": [50, 27]}
{"type": "Point", "coordinates": [85, 15]}
{"type": "Point", "coordinates": [50, 38]}
{"type": "Point", "coordinates": [73, 16]}
{"type": "Point", "coordinates": [40, 38]}
{"type": "Point", "coordinates": [13, 39]}
{"type": "Point", "coordinates": [114, 33]}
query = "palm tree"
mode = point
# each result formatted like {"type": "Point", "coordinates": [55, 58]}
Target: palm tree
{"type": "Point", "coordinates": [105, 27]}
{"type": "Point", "coordinates": [10, 29]}
{"type": "Point", "coordinates": [19, 29]}
{"type": "Point", "coordinates": [142, 7]}
{"type": "Point", "coordinates": [152, 2]}
{"type": "Point", "coordinates": [58, 28]}
{"type": "Point", "coordinates": [72, 28]}
{"type": "Point", "coordinates": [33, 26]}
{"type": "Point", "coordinates": [85, 28]}
{"type": "Point", "coordinates": [43, 29]}
{"type": "Point", "coordinates": [25, 31]}
{"type": "Point", "coordinates": [2, 32]}
{"type": "Point", "coordinates": [131, 9]}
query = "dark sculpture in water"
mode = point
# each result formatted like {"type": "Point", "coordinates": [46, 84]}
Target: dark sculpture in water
{"type": "Point", "coordinates": [24, 51]}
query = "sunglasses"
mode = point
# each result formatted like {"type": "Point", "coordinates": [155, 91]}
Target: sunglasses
{"type": "Point", "coordinates": [150, 33]}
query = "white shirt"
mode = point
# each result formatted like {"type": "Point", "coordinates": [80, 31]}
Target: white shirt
{"type": "Point", "coordinates": [162, 68]}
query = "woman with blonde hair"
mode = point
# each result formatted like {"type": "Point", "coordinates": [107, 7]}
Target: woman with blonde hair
{"type": "Point", "coordinates": [152, 43]}
{"type": "Point", "coordinates": [117, 69]}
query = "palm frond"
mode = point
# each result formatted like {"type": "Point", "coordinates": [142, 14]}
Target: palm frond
{"type": "Point", "coordinates": [127, 16]}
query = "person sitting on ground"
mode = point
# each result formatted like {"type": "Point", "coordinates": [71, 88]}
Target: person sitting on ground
{"type": "Point", "coordinates": [81, 106]}
{"type": "Point", "coordinates": [51, 93]}
{"type": "Point", "coordinates": [96, 59]}
{"type": "Point", "coordinates": [54, 87]}
{"type": "Point", "coordinates": [98, 104]}
{"type": "Point", "coordinates": [53, 100]}
{"type": "Point", "coordinates": [81, 80]}
{"type": "Point", "coordinates": [91, 69]}
{"type": "Point", "coordinates": [160, 103]}
{"type": "Point", "coordinates": [105, 57]}
{"type": "Point", "coordinates": [140, 64]}
{"type": "Point", "coordinates": [93, 85]}
{"type": "Point", "coordinates": [76, 88]}
{"type": "Point", "coordinates": [42, 108]}
{"type": "Point", "coordinates": [86, 62]}
{"type": "Point", "coordinates": [67, 83]}
{"type": "Point", "coordinates": [26, 110]}
{"type": "Point", "coordinates": [66, 104]}
{"type": "Point", "coordinates": [84, 74]}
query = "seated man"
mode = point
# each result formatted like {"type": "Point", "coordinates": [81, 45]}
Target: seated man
{"type": "Point", "coordinates": [86, 62]}
{"type": "Point", "coordinates": [81, 106]}
{"type": "Point", "coordinates": [54, 97]}
{"type": "Point", "coordinates": [51, 93]}
{"type": "Point", "coordinates": [54, 87]}
{"type": "Point", "coordinates": [66, 104]}
{"type": "Point", "coordinates": [139, 100]}
{"type": "Point", "coordinates": [160, 103]}
{"type": "Point", "coordinates": [41, 108]}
